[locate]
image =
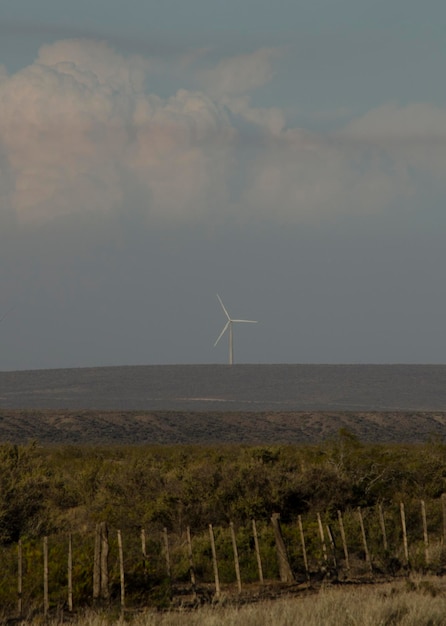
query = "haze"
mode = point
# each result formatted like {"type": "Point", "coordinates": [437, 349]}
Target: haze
{"type": "Point", "coordinates": [289, 156]}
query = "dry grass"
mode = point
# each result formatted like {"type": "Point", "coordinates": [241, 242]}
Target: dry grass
{"type": "Point", "coordinates": [410, 603]}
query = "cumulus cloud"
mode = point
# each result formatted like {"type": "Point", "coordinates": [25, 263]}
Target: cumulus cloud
{"type": "Point", "coordinates": [372, 162]}
{"type": "Point", "coordinates": [414, 134]}
{"type": "Point", "coordinates": [303, 176]}
{"type": "Point", "coordinates": [81, 131]}
{"type": "Point", "coordinates": [240, 74]}
{"type": "Point", "coordinates": [85, 59]}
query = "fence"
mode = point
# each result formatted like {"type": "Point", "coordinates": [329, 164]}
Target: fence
{"type": "Point", "coordinates": [149, 567]}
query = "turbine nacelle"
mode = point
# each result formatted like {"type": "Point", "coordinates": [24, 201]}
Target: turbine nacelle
{"type": "Point", "coordinates": [228, 326]}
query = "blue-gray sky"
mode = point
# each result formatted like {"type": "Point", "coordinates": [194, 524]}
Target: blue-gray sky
{"type": "Point", "coordinates": [290, 156]}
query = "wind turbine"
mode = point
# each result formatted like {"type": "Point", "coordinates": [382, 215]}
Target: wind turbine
{"type": "Point", "coordinates": [228, 326]}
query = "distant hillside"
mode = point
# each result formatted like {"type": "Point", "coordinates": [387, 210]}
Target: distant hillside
{"type": "Point", "coordinates": [223, 404]}
{"type": "Point", "coordinates": [229, 388]}
{"type": "Point", "coordinates": [139, 427]}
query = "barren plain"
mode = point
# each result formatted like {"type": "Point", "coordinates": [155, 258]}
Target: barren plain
{"type": "Point", "coordinates": [220, 404]}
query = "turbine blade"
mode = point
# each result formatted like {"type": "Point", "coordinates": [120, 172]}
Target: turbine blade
{"type": "Point", "coordinates": [246, 321]}
{"type": "Point", "coordinates": [223, 307]}
{"type": "Point", "coordinates": [222, 332]}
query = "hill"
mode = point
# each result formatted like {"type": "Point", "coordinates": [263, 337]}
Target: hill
{"type": "Point", "coordinates": [229, 388]}
{"type": "Point", "coordinates": [200, 404]}
{"type": "Point", "coordinates": [138, 427]}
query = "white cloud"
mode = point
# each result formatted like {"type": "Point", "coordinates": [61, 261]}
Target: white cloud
{"type": "Point", "coordinates": [391, 122]}
{"type": "Point", "coordinates": [82, 58]}
{"type": "Point", "coordinates": [374, 161]}
{"type": "Point", "coordinates": [183, 153]}
{"type": "Point", "coordinates": [78, 128]}
{"type": "Point", "coordinates": [80, 133]}
{"type": "Point", "coordinates": [240, 74]}
{"type": "Point", "coordinates": [303, 176]}
{"type": "Point", "coordinates": [414, 135]}
{"type": "Point", "coordinates": [269, 119]}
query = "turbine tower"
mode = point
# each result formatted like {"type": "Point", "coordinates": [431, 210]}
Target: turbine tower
{"type": "Point", "coordinates": [228, 326]}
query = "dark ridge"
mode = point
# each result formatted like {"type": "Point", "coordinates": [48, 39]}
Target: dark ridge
{"type": "Point", "coordinates": [192, 428]}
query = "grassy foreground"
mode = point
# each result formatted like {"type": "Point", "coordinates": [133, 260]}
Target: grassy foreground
{"type": "Point", "coordinates": [409, 603]}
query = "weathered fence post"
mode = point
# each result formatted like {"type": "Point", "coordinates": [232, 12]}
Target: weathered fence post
{"type": "Point", "coordinates": [333, 546]}
{"type": "Point", "coordinates": [104, 561]}
{"type": "Point", "coordinates": [403, 526]}
{"type": "Point", "coordinates": [144, 549]}
{"type": "Point", "coordinates": [304, 549]}
{"type": "Point", "coordinates": [383, 526]}
{"type": "Point", "coordinates": [257, 549]}
{"type": "Point", "coordinates": [236, 559]}
{"type": "Point", "coordinates": [214, 562]}
{"type": "Point", "coordinates": [19, 578]}
{"type": "Point", "coordinates": [46, 604]}
{"type": "Point", "coordinates": [286, 575]}
{"type": "Point", "coordinates": [364, 541]}
{"type": "Point", "coordinates": [121, 568]}
{"type": "Point", "coordinates": [344, 541]}
{"type": "Point", "coordinates": [191, 560]}
{"type": "Point", "coordinates": [322, 537]}
{"type": "Point", "coordinates": [100, 562]}
{"type": "Point", "coordinates": [70, 573]}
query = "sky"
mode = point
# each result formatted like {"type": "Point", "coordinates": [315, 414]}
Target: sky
{"type": "Point", "coordinates": [288, 156]}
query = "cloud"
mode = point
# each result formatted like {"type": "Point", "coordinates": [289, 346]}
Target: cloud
{"type": "Point", "coordinates": [84, 59]}
{"type": "Point", "coordinates": [240, 74]}
{"type": "Point", "coordinates": [380, 158]}
{"type": "Point", "coordinates": [305, 176]}
{"type": "Point", "coordinates": [183, 153]}
{"type": "Point", "coordinates": [414, 135]}
{"type": "Point", "coordinates": [81, 132]}
{"type": "Point", "coordinates": [391, 122]}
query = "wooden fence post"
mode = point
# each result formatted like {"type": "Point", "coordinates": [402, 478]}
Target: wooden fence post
{"type": "Point", "coordinates": [46, 604]}
{"type": "Point", "coordinates": [364, 541]}
{"type": "Point", "coordinates": [19, 578]}
{"type": "Point", "coordinates": [383, 527]}
{"type": "Point", "coordinates": [70, 573]}
{"type": "Point", "coordinates": [304, 549]}
{"type": "Point", "coordinates": [236, 559]}
{"type": "Point", "coordinates": [333, 546]}
{"type": "Point", "coordinates": [425, 535]}
{"type": "Point", "coordinates": [403, 526]}
{"type": "Point", "coordinates": [191, 559]}
{"type": "Point", "coordinates": [257, 549]}
{"type": "Point", "coordinates": [344, 541]}
{"type": "Point", "coordinates": [121, 568]}
{"type": "Point", "coordinates": [286, 575]}
{"type": "Point", "coordinates": [104, 561]}
{"type": "Point", "coordinates": [144, 550]}
{"type": "Point", "coordinates": [100, 562]}
{"type": "Point", "coordinates": [215, 562]}
{"type": "Point", "coordinates": [322, 537]}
